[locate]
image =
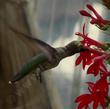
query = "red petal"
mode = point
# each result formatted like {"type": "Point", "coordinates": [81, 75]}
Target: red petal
{"type": "Point", "coordinates": [78, 61]}
{"type": "Point", "coordinates": [92, 70]}
{"type": "Point", "coordinates": [95, 105]}
{"type": "Point", "coordinates": [102, 101]}
{"type": "Point", "coordinates": [81, 97]}
{"type": "Point", "coordinates": [84, 101]}
{"type": "Point", "coordinates": [94, 11]}
{"type": "Point", "coordinates": [84, 13]}
{"type": "Point", "coordinates": [91, 84]}
{"type": "Point", "coordinates": [82, 105]}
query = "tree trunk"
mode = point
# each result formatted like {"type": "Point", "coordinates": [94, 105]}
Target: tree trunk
{"type": "Point", "coordinates": [28, 93]}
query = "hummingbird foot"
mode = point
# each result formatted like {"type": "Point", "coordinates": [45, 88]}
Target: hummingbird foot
{"type": "Point", "coordinates": [38, 74]}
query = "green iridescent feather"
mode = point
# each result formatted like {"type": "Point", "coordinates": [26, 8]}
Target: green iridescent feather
{"type": "Point", "coordinates": [30, 66]}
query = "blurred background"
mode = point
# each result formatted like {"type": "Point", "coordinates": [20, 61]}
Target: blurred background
{"type": "Point", "coordinates": [55, 22]}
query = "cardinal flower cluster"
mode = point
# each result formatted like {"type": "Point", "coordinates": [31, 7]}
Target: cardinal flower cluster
{"type": "Point", "coordinates": [95, 57]}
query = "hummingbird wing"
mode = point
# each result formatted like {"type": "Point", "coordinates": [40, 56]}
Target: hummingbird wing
{"type": "Point", "coordinates": [34, 42]}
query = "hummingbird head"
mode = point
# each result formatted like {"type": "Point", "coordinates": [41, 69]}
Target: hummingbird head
{"type": "Point", "coordinates": [74, 47]}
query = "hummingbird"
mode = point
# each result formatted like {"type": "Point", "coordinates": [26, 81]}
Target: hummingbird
{"type": "Point", "coordinates": [48, 58]}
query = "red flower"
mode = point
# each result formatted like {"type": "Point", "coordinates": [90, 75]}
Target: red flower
{"type": "Point", "coordinates": [101, 85]}
{"type": "Point", "coordinates": [98, 20]}
{"type": "Point", "coordinates": [95, 57]}
{"type": "Point", "coordinates": [87, 41]}
{"type": "Point", "coordinates": [84, 101]}
{"type": "Point", "coordinates": [87, 57]}
{"type": "Point", "coordinates": [97, 66]}
{"type": "Point", "coordinates": [98, 93]}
